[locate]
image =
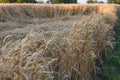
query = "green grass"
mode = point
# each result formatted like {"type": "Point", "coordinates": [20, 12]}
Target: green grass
{"type": "Point", "coordinates": [111, 69]}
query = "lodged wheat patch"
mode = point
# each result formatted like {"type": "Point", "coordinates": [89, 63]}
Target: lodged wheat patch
{"type": "Point", "coordinates": [66, 55]}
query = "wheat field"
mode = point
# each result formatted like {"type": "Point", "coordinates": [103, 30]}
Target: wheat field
{"type": "Point", "coordinates": [54, 41]}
